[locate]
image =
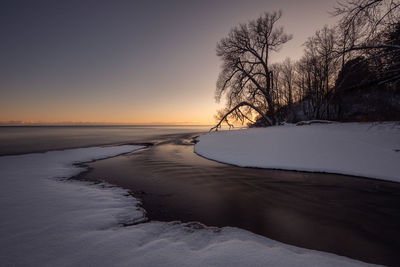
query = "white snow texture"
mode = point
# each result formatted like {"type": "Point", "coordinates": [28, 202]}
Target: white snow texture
{"type": "Point", "coordinates": [361, 149]}
{"type": "Point", "coordinates": [49, 221]}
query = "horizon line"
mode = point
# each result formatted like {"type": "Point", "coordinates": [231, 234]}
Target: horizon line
{"type": "Point", "coordinates": [14, 123]}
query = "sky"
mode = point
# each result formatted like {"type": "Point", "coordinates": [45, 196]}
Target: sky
{"type": "Point", "coordinates": [138, 62]}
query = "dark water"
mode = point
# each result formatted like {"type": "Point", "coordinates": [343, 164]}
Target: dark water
{"type": "Point", "coordinates": [350, 216]}
{"type": "Point", "coordinates": [25, 139]}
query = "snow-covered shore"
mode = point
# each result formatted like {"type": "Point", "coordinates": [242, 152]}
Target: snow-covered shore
{"type": "Point", "coordinates": [360, 149]}
{"type": "Point", "coordinates": [48, 221]}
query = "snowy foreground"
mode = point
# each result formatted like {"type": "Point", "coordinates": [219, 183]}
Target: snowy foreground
{"type": "Point", "coordinates": [50, 221]}
{"type": "Point", "coordinates": [361, 149]}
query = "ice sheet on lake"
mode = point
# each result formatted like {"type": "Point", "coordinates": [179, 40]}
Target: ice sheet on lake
{"type": "Point", "coordinates": [361, 149]}
{"type": "Point", "coordinates": [48, 221]}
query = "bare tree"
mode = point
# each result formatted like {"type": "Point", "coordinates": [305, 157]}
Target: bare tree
{"type": "Point", "coordinates": [365, 26]}
{"type": "Point", "coordinates": [288, 76]}
{"type": "Point", "coordinates": [284, 88]}
{"type": "Point", "coordinates": [312, 69]}
{"type": "Point", "coordinates": [246, 79]}
{"type": "Point", "coordinates": [366, 18]}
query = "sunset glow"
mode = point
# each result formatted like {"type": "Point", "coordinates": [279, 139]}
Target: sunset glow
{"type": "Point", "coordinates": [127, 62]}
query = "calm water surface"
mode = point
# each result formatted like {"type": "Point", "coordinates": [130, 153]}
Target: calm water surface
{"type": "Point", "coordinates": [21, 139]}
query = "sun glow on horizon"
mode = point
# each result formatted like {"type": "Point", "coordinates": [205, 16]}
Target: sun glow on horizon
{"type": "Point", "coordinates": [101, 65]}
{"type": "Point", "coordinates": [94, 123]}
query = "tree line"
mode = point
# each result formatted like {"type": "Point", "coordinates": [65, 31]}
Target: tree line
{"type": "Point", "coordinates": [350, 68]}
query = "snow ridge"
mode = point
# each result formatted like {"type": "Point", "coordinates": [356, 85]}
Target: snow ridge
{"type": "Point", "coordinates": [360, 149]}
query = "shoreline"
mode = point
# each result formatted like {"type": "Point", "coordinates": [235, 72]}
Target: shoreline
{"type": "Point", "coordinates": [301, 171]}
{"type": "Point", "coordinates": [171, 182]}
{"type": "Point", "coordinates": [77, 147]}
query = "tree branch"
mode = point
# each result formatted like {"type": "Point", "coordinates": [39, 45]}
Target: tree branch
{"type": "Point", "coordinates": [238, 106]}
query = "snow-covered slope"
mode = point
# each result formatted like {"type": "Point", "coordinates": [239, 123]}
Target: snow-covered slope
{"type": "Point", "coordinates": [362, 149]}
{"type": "Point", "coordinates": [47, 221]}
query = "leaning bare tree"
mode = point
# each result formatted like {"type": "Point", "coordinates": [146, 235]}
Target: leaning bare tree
{"type": "Point", "coordinates": [246, 79]}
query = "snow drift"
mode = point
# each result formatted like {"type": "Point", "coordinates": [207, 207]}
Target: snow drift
{"type": "Point", "coordinates": [361, 149]}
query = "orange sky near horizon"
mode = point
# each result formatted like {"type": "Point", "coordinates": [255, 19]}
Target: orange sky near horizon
{"type": "Point", "coordinates": [114, 63]}
{"type": "Point", "coordinates": [105, 110]}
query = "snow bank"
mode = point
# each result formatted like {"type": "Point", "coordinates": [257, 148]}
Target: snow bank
{"type": "Point", "coordinates": [47, 221]}
{"type": "Point", "coordinates": [361, 149]}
